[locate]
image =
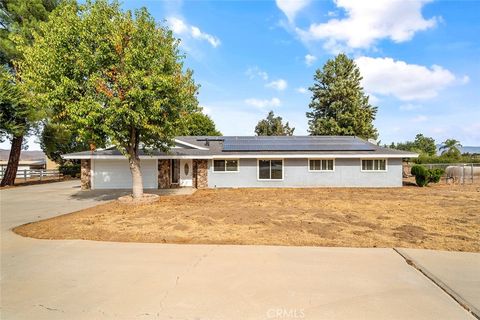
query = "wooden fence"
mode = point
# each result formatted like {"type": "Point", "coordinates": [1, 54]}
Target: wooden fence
{"type": "Point", "coordinates": [35, 174]}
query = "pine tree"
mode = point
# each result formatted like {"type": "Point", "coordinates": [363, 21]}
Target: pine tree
{"type": "Point", "coordinates": [339, 105]}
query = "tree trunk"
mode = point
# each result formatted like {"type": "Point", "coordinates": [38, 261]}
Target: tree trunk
{"type": "Point", "coordinates": [13, 159]}
{"type": "Point", "coordinates": [137, 183]}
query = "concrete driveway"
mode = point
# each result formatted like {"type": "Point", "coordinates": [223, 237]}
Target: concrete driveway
{"type": "Point", "coordinates": [53, 279]}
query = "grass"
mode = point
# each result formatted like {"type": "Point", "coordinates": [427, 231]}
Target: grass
{"type": "Point", "coordinates": [445, 217]}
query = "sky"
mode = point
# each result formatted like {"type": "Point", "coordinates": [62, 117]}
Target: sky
{"type": "Point", "coordinates": [419, 60]}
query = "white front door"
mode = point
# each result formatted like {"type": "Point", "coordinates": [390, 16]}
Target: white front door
{"type": "Point", "coordinates": [186, 175]}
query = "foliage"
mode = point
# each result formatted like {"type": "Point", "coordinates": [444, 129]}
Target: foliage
{"type": "Point", "coordinates": [447, 159]}
{"type": "Point", "coordinates": [421, 145]}
{"type": "Point", "coordinates": [450, 148]}
{"type": "Point", "coordinates": [13, 112]}
{"type": "Point", "coordinates": [424, 176]}
{"type": "Point", "coordinates": [339, 105]}
{"type": "Point", "coordinates": [70, 169]}
{"type": "Point", "coordinates": [436, 174]}
{"type": "Point", "coordinates": [108, 73]}
{"type": "Point", "coordinates": [57, 139]}
{"type": "Point", "coordinates": [19, 18]}
{"type": "Point", "coordinates": [273, 126]}
{"type": "Point", "coordinates": [200, 124]}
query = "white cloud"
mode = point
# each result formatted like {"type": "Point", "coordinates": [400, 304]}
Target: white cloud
{"type": "Point", "coordinates": [279, 85]}
{"type": "Point", "coordinates": [263, 103]}
{"type": "Point", "coordinates": [291, 7]}
{"type": "Point", "coordinates": [302, 90]}
{"type": "Point", "coordinates": [366, 22]}
{"type": "Point", "coordinates": [385, 76]}
{"type": "Point", "coordinates": [254, 72]}
{"type": "Point", "coordinates": [310, 59]}
{"type": "Point", "coordinates": [420, 118]}
{"type": "Point", "coordinates": [180, 27]}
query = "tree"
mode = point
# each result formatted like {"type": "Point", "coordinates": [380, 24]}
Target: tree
{"type": "Point", "coordinates": [103, 72]}
{"type": "Point", "coordinates": [339, 105]}
{"type": "Point", "coordinates": [422, 145]}
{"type": "Point", "coordinates": [57, 140]}
{"type": "Point", "coordinates": [450, 147]}
{"type": "Point", "coordinates": [273, 126]}
{"type": "Point", "coordinates": [19, 19]}
{"type": "Point", "coordinates": [200, 124]}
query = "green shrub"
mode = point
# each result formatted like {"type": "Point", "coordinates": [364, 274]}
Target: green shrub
{"type": "Point", "coordinates": [424, 176]}
{"type": "Point", "coordinates": [72, 170]}
{"type": "Point", "coordinates": [435, 175]}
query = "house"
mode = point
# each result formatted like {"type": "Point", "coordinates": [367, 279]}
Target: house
{"type": "Point", "coordinates": [246, 161]}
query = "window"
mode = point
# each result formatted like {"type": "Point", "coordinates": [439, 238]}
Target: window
{"type": "Point", "coordinates": [225, 165]}
{"type": "Point", "coordinates": [374, 165]}
{"type": "Point", "coordinates": [270, 169]}
{"type": "Point", "coordinates": [321, 165]}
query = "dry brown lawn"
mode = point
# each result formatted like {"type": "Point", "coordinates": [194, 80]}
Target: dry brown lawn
{"type": "Point", "coordinates": [438, 217]}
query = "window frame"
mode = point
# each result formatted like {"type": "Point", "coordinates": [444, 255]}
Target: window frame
{"type": "Point", "coordinates": [270, 159]}
{"type": "Point", "coordinates": [310, 170]}
{"type": "Point", "coordinates": [373, 170]}
{"type": "Point", "coordinates": [225, 160]}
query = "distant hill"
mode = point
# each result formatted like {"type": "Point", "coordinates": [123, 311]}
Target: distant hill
{"type": "Point", "coordinates": [25, 155]}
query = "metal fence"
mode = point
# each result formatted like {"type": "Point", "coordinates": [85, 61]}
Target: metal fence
{"type": "Point", "coordinates": [35, 174]}
{"type": "Point", "coordinates": [458, 172]}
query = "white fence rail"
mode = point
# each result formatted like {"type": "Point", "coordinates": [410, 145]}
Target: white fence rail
{"type": "Point", "coordinates": [35, 174]}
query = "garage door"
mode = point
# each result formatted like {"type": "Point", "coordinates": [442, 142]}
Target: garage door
{"type": "Point", "coordinates": [115, 174]}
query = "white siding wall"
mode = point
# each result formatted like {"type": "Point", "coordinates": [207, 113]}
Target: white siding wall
{"type": "Point", "coordinates": [115, 174]}
{"type": "Point", "coordinates": [295, 174]}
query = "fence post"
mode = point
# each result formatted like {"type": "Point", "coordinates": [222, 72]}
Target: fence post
{"type": "Point", "coordinates": [471, 170]}
{"type": "Point", "coordinates": [25, 174]}
{"type": "Point", "coordinates": [463, 175]}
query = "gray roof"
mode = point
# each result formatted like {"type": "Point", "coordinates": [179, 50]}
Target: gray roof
{"type": "Point", "coordinates": [264, 145]}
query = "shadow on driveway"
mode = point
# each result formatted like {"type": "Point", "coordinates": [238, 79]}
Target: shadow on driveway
{"type": "Point", "coordinates": [113, 194]}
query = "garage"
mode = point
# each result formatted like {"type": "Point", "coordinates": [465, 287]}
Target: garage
{"type": "Point", "coordinates": [115, 174]}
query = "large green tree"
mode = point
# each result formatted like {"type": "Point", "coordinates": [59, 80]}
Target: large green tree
{"type": "Point", "coordinates": [422, 144]}
{"type": "Point", "coordinates": [19, 19]}
{"type": "Point", "coordinates": [57, 140]}
{"type": "Point", "coordinates": [273, 126]}
{"type": "Point", "coordinates": [339, 105]}
{"type": "Point", "coordinates": [199, 124]}
{"type": "Point", "coordinates": [104, 72]}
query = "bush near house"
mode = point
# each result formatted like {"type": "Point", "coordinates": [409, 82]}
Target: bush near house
{"type": "Point", "coordinates": [70, 169]}
{"type": "Point", "coordinates": [424, 176]}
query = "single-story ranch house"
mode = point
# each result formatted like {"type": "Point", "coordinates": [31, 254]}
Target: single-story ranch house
{"type": "Point", "coordinates": [246, 161]}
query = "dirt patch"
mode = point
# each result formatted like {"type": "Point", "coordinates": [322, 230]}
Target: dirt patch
{"type": "Point", "coordinates": [443, 217]}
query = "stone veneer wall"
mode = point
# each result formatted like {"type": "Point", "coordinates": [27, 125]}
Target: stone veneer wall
{"type": "Point", "coordinates": [200, 173]}
{"type": "Point", "coordinates": [163, 174]}
{"type": "Point", "coordinates": [85, 174]}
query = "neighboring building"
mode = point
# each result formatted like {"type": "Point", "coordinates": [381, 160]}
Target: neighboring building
{"type": "Point", "coordinates": [238, 162]}
{"type": "Point", "coordinates": [29, 160]}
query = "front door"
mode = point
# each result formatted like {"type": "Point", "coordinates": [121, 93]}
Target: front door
{"type": "Point", "coordinates": [186, 173]}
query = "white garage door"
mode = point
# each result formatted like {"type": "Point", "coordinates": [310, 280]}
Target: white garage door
{"type": "Point", "coordinates": [115, 174]}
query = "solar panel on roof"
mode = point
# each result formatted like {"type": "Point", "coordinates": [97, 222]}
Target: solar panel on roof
{"type": "Point", "coordinates": [295, 144]}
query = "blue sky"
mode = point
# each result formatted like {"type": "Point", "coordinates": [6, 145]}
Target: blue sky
{"type": "Point", "coordinates": [419, 59]}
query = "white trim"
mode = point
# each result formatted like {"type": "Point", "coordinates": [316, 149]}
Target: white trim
{"type": "Point", "coordinates": [270, 180]}
{"type": "Point", "coordinates": [236, 171]}
{"type": "Point", "coordinates": [251, 156]}
{"type": "Point", "coordinates": [361, 165]}
{"type": "Point", "coordinates": [315, 171]}
{"type": "Point", "coordinates": [189, 144]}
